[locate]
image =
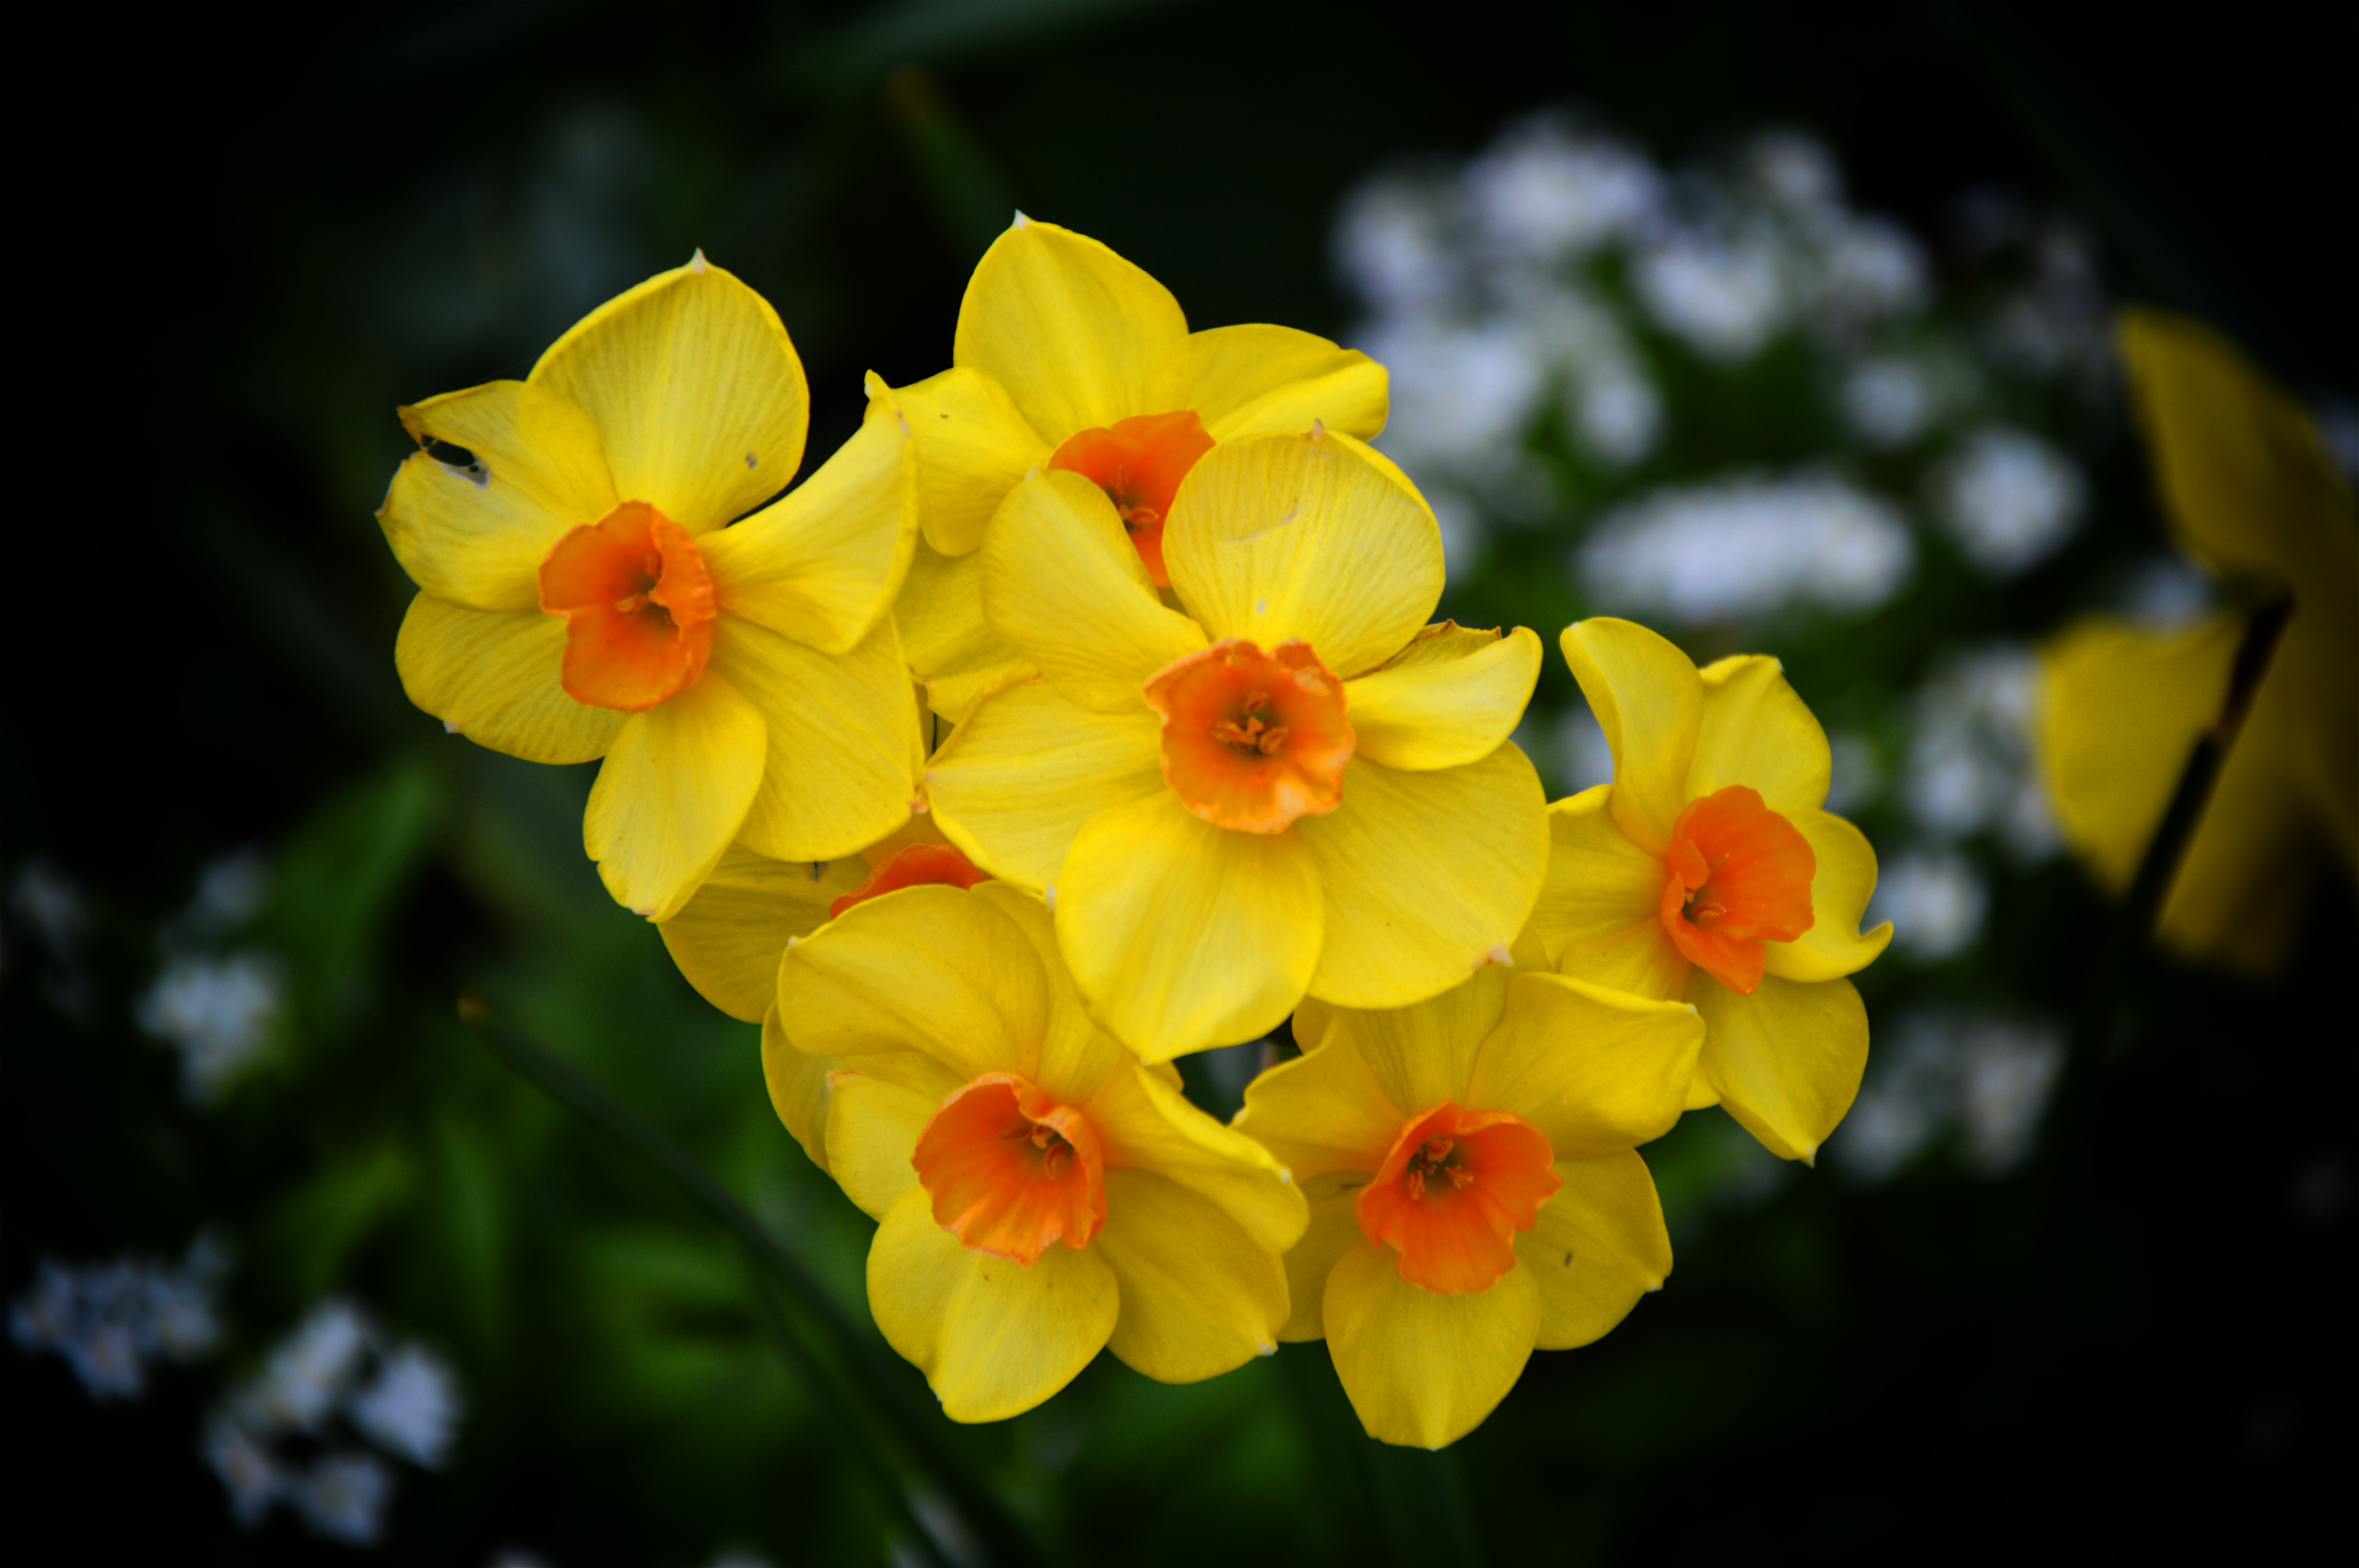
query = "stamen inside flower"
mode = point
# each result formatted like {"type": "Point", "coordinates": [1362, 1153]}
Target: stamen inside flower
{"type": "Point", "coordinates": [1740, 876]}
{"type": "Point", "coordinates": [1253, 740]}
{"type": "Point", "coordinates": [1010, 1172]}
{"type": "Point", "coordinates": [1139, 462]}
{"type": "Point", "coordinates": [638, 606]}
{"type": "Point", "coordinates": [1453, 1193]}
{"type": "Point", "coordinates": [914, 865]}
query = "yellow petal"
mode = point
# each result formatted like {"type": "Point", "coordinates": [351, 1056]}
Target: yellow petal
{"type": "Point", "coordinates": [1598, 1246]}
{"type": "Point", "coordinates": [1756, 732]}
{"type": "Point", "coordinates": [844, 756]}
{"type": "Point", "coordinates": [1598, 913]}
{"type": "Point", "coordinates": [1145, 1123]}
{"type": "Point", "coordinates": [1200, 1297]}
{"type": "Point", "coordinates": [1839, 891]}
{"type": "Point", "coordinates": [1273, 537]}
{"type": "Point", "coordinates": [1075, 1058]}
{"type": "Point", "coordinates": [727, 939]}
{"type": "Point", "coordinates": [798, 1087]}
{"type": "Point", "coordinates": [1015, 782]}
{"type": "Point", "coordinates": [695, 389]}
{"type": "Point", "coordinates": [1327, 1110]}
{"type": "Point", "coordinates": [2243, 885]}
{"type": "Point", "coordinates": [1422, 1369]}
{"type": "Point", "coordinates": [1650, 701]}
{"type": "Point", "coordinates": [2123, 710]}
{"type": "Point", "coordinates": [1424, 1055]}
{"type": "Point", "coordinates": [952, 650]}
{"type": "Point", "coordinates": [993, 1338]}
{"type": "Point", "coordinates": [1065, 587]}
{"type": "Point", "coordinates": [1183, 935]}
{"type": "Point", "coordinates": [2243, 479]}
{"type": "Point", "coordinates": [1262, 380]}
{"type": "Point", "coordinates": [496, 678]}
{"type": "Point", "coordinates": [973, 448]}
{"type": "Point", "coordinates": [1334, 1229]}
{"type": "Point", "coordinates": [1595, 1071]}
{"type": "Point", "coordinates": [1068, 328]}
{"type": "Point", "coordinates": [672, 793]}
{"type": "Point", "coordinates": [1444, 712]}
{"type": "Point", "coordinates": [872, 1135]}
{"type": "Point", "coordinates": [478, 536]}
{"type": "Point", "coordinates": [1786, 1061]}
{"type": "Point", "coordinates": [822, 565]}
{"type": "Point", "coordinates": [1425, 875]}
{"type": "Point", "coordinates": [932, 969]}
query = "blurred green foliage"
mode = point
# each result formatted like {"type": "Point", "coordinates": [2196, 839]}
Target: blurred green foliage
{"type": "Point", "coordinates": [2138, 1339]}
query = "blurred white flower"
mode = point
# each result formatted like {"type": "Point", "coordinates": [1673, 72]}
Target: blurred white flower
{"type": "Point", "coordinates": [1545, 194]}
{"type": "Point", "coordinates": [229, 893]}
{"type": "Point", "coordinates": [1465, 533]}
{"type": "Point", "coordinates": [412, 1410]}
{"type": "Point", "coordinates": [1582, 757]}
{"type": "Point", "coordinates": [1973, 763]}
{"type": "Point", "coordinates": [344, 1496]}
{"type": "Point", "coordinates": [1462, 395]}
{"type": "Point", "coordinates": [1888, 401]}
{"type": "Point", "coordinates": [313, 1367]}
{"type": "Point", "coordinates": [1748, 547]}
{"type": "Point", "coordinates": [1869, 270]}
{"type": "Point", "coordinates": [53, 906]}
{"type": "Point", "coordinates": [219, 1014]}
{"type": "Point", "coordinates": [2009, 498]}
{"type": "Point", "coordinates": [1986, 1078]}
{"type": "Point", "coordinates": [1724, 297]}
{"type": "Point", "coordinates": [2166, 593]}
{"type": "Point", "coordinates": [108, 1321]}
{"type": "Point", "coordinates": [1935, 900]}
{"type": "Point", "coordinates": [247, 1468]}
{"type": "Point", "coordinates": [1395, 244]}
{"type": "Point", "coordinates": [1617, 415]}
{"type": "Point", "coordinates": [1794, 171]}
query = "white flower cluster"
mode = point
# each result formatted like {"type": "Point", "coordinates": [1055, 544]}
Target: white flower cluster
{"type": "Point", "coordinates": [112, 1321]}
{"type": "Point", "coordinates": [1543, 278]}
{"type": "Point", "coordinates": [48, 906]}
{"type": "Point", "coordinates": [335, 1376]}
{"type": "Point", "coordinates": [1985, 1079]}
{"type": "Point", "coordinates": [219, 1010]}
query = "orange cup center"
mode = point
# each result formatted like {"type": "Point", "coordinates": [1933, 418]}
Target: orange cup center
{"type": "Point", "coordinates": [1453, 1192]}
{"type": "Point", "coordinates": [1253, 740]}
{"type": "Point", "coordinates": [1139, 462]}
{"type": "Point", "coordinates": [1740, 876]}
{"type": "Point", "coordinates": [913, 865]}
{"type": "Point", "coordinates": [638, 605]}
{"type": "Point", "coordinates": [1010, 1172]}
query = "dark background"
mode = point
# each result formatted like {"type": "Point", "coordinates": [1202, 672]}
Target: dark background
{"type": "Point", "coordinates": [246, 233]}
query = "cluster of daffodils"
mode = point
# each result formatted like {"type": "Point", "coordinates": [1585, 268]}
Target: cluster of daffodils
{"type": "Point", "coordinates": [1085, 710]}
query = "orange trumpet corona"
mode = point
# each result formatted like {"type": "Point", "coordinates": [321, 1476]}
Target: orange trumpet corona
{"type": "Point", "coordinates": [1453, 1193]}
{"type": "Point", "coordinates": [915, 865]}
{"type": "Point", "coordinates": [1010, 1172]}
{"type": "Point", "coordinates": [1139, 462]}
{"type": "Point", "coordinates": [638, 606]}
{"type": "Point", "coordinates": [1253, 740]}
{"type": "Point", "coordinates": [1740, 876]}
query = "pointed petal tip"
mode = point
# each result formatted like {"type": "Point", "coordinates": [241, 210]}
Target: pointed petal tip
{"type": "Point", "coordinates": [1021, 221]}
{"type": "Point", "coordinates": [697, 263]}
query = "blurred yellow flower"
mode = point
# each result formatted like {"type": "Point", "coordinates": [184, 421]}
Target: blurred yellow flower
{"type": "Point", "coordinates": [1708, 873]}
{"type": "Point", "coordinates": [1294, 786]}
{"type": "Point", "coordinates": [585, 594]}
{"type": "Point", "coordinates": [2245, 486]}
{"type": "Point", "coordinates": [1039, 1193]}
{"type": "Point", "coordinates": [1473, 1185]}
{"type": "Point", "coordinates": [1067, 356]}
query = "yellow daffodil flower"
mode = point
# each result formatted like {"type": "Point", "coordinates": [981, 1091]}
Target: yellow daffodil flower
{"type": "Point", "coordinates": [727, 941]}
{"type": "Point", "coordinates": [1294, 786]}
{"type": "Point", "coordinates": [1708, 873]}
{"type": "Point", "coordinates": [1473, 1185]}
{"type": "Point", "coordinates": [1069, 358]}
{"type": "Point", "coordinates": [585, 594]}
{"type": "Point", "coordinates": [2246, 488]}
{"type": "Point", "coordinates": [1039, 1193]}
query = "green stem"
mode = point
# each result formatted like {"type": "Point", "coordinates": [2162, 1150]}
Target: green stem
{"type": "Point", "coordinates": [842, 1361]}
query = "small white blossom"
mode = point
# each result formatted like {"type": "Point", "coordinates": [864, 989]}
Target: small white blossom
{"type": "Point", "coordinates": [249, 1470]}
{"type": "Point", "coordinates": [219, 1014]}
{"type": "Point", "coordinates": [1935, 900]}
{"type": "Point", "coordinates": [1394, 245]}
{"type": "Point", "coordinates": [1973, 762]}
{"type": "Point", "coordinates": [412, 1410]}
{"type": "Point", "coordinates": [344, 1496]}
{"type": "Point", "coordinates": [1726, 297]}
{"type": "Point", "coordinates": [1987, 1079]}
{"type": "Point", "coordinates": [313, 1367]}
{"type": "Point", "coordinates": [1545, 195]}
{"type": "Point", "coordinates": [1749, 547]}
{"type": "Point", "coordinates": [2008, 499]}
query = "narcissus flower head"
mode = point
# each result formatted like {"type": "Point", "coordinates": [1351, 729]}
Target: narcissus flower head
{"type": "Point", "coordinates": [585, 594]}
{"type": "Point", "coordinates": [1040, 1194]}
{"type": "Point", "coordinates": [1708, 871]}
{"type": "Point", "coordinates": [1070, 358]}
{"type": "Point", "coordinates": [1473, 1185]}
{"type": "Point", "coordinates": [2246, 486]}
{"type": "Point", "coordinates": [1290, 784]}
